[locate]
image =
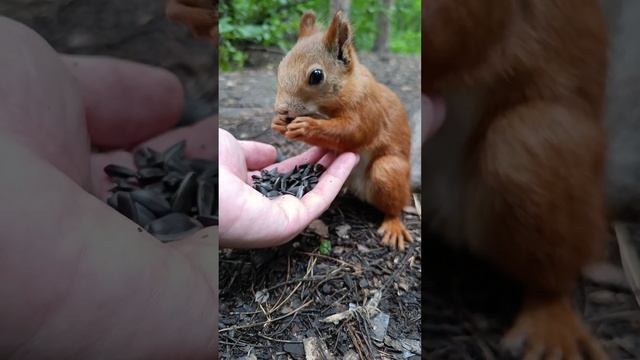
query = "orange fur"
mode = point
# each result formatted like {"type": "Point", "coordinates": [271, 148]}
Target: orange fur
{"type": "Point", "coordinates": [530, 164]}
{"type": "Point", "coordinates": [348, 111]}
{"type": "Point", "coordinates": [200, 16]}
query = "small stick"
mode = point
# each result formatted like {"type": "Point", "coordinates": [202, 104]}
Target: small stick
{"type": "Point", "coordinates": [237, 327]}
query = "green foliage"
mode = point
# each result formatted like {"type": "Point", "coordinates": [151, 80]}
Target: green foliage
{"type": "Point", "coordinates": [275, 23]}
{"type": "Point", "coordinates": [325, 247]}
{"type": "Point", "coordinates": [406, 24]}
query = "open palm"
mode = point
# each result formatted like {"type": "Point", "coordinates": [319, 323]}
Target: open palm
{"type": "Point", "coordinates": [79, 279]}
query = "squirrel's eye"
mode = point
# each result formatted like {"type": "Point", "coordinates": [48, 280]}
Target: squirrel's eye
{"type": "Point", "coordinates": [316, 77]}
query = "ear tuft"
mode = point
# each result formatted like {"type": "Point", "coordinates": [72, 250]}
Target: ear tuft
{"type": "Point", "coordinates": [307, 24]}
{"type": "Point", "coordinates": [338, 38]}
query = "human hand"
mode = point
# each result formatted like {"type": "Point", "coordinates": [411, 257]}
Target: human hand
{"type": "Point", "coordinates": [433, 113]}
{"type": "Point", "coordinates": [201, 16]}
{"type": "Point", "coordinates": [250, 220]}
{"type": "Point", "coordinates": [79, 279]}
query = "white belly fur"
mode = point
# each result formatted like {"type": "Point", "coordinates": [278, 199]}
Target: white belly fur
{"type": "Point", "coordinates": [443, 182]}
{"type": "Point", "coordinates": [358, 181]}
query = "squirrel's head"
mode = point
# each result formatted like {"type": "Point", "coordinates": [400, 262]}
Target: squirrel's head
{"type": "Point", "coordinates": [315, 71]}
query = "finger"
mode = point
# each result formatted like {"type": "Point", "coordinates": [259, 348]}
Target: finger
{"type": "Point", "coordinates": [86, 255]}
{"type": "Point", "coordinates": [248, 219]}
{"type": "Point", "coordinates": [125, 102]}
{"type": "Point", "coordinates": [192, 16]}
{"type": "Point", "coordinates": [258, 155]}
{"type": "Point", "coordinates": [433, 113]}
{"type": "Point", "coordinates": [329, 185]}
{"type": "Point", "coordinates": [230, 154]}
{"type": "Point", "coordinates": [201, 139]}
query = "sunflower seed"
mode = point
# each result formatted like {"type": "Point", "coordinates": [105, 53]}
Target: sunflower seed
{"type": "Point", "coordinates": [205, 198]}
{"type": "Point", "coordinates": [184, 197]}
{"type": "Point", "coordinates": [173, 226]}
{"type": "Point", "coordinates": [117, 171]}
{"type": "Point", "coordinates": [166, 182]}
{"type": "Point", "coordinates": [176, 165]}
{"type": "Point", "coordinates": [151, 201]}
{"type": "Point", "coordinates": [296, 182]}
{"type": "Point", "coordinates": [146, 157]}
{"type": "Point", "coordinates": [123, 185]}
{"type": "Point", "coordinates": [126, 205]}
{"type": "Point", "coordinates": [113, 201]}
{"type": "Point", "coordinates": [208, 220]}
{"type": "Point", "coordinates": [176, 151]}
{"type": "Point", "coordinates": [173, 179]}
{"type": "Point", "coordinates": [156, 187]}
{"type": "Point", "coordinates": [210, 173]}
{"type": "Point", "coordinates": [199, 165]}
{"type": "Point", "coordinates": [150, 173]}
{"type": "Point", "coordinates": [145, 215]}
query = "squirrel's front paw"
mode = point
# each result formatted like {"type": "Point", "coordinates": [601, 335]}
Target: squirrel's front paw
{"type": "Point", "coordinates": [279, 124]}
{"type": "Point", "coordinates": [301, 128]}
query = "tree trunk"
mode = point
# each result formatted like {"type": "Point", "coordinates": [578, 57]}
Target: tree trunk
{"type": "Point", "coordinates": [381, 44]}
{"type": "Point", "coordinates": [344, 5]}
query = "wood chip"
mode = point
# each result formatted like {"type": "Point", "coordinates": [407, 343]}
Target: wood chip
{"type": "Point", "coordinates": [316, 349]}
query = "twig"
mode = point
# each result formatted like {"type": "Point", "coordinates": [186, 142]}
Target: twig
{"type": "Point", "coordinates": [364, 322]}
{"type": "Point", "coordinates": [356, 342]}
{"type": "Point", "coordinates": [236, 327]}
{"type": "Point", "coordinates": [294, 281]}
{"type": "Point", "coordinates": [279, 340]}
{"type": "Point", "coordinates": [368, 310]}
{"type": "Point", "coordinates": [357, 268]}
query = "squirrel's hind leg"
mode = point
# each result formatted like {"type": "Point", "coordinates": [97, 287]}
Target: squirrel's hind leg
{"type": "Point", "coordinates": [389, 191]}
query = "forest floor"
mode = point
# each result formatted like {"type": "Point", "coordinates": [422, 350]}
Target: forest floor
{"type": "Point", "coordinates": [272, 301]}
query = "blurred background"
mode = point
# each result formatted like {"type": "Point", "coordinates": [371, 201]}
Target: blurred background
{"type": "Point", "coordinates": [134, 30]}
{"type": "Point", "coordinates": [470, 305]}
{"type": "Point", "coordinates": [271, 26]}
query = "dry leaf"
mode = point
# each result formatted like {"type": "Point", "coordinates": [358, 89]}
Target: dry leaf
{"type": "Point", "coordinates": [320, 228]}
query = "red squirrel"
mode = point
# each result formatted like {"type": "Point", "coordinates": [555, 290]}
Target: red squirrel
{"type": "Point", "coordinates": [200, 16]}
{"type": "Point", "coordinates": [516, 173]}
{"type": "Point", "coordinates": [325, 97]}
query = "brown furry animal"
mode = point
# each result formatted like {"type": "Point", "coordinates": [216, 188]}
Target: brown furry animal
{"type": "Point", "coordinates": [328, 99]}
{"type": "Point", "coordinates": [201, 16]}
{"type": "Point", "coordinates": [516, 172]}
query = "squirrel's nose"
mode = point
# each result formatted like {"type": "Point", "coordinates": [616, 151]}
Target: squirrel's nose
{"type": "Point", "coordinates": [282, 110]}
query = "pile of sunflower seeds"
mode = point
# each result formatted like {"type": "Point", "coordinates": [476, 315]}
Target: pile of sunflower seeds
{"type": "Point", "coordinates": [297, 182]}
{"type": "Point", "coordinates": [169, 195]}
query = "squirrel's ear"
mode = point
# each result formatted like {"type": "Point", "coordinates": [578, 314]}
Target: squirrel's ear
{"type": "Point", "coordinates": [338, 38]}
{"type": "Point", "coordinates": [307, 24]}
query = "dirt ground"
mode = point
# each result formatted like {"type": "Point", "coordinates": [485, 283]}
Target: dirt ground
{"type": "Point", "coordinates": [271, 301]}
